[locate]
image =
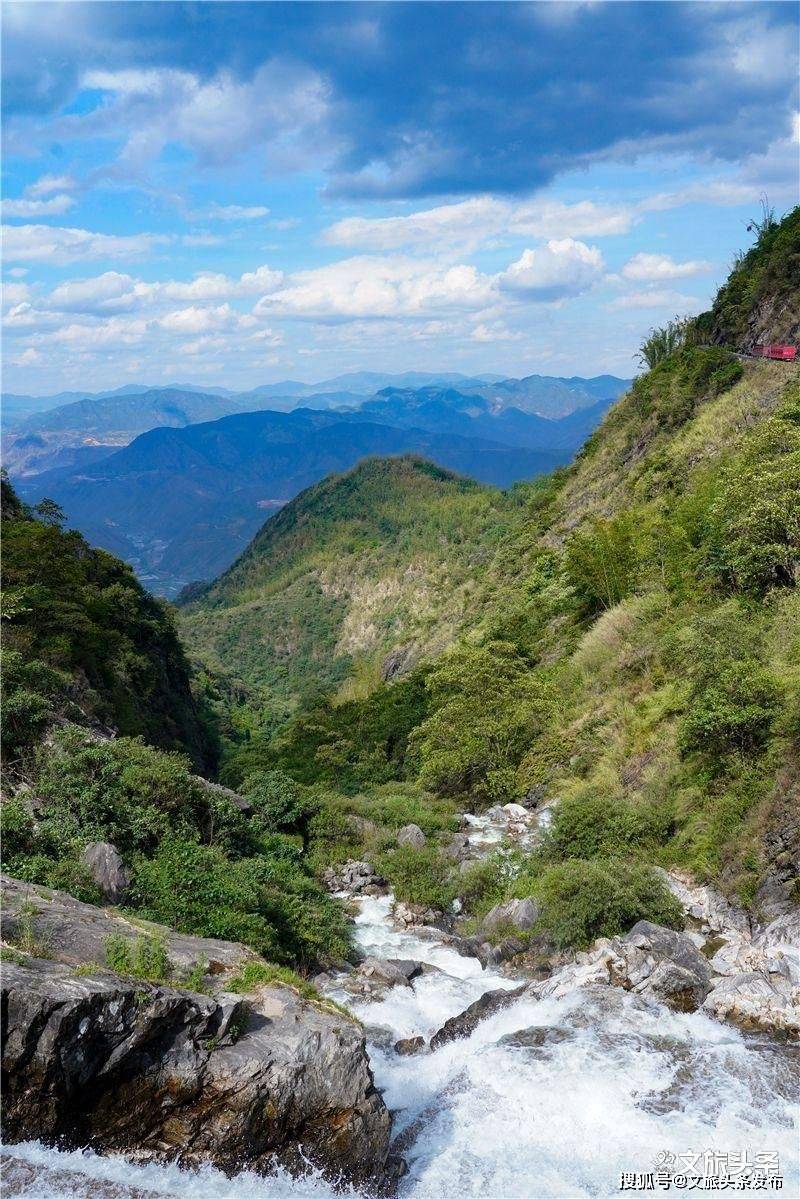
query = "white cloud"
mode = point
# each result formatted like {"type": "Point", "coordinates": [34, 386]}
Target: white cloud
{"type": "Point", "coordinates": [658, 267]}
{"type": "Point", "coordinates": [280, 108]}
{"type": "Point", "coordinates": [199, 320]}
{"type": "Point", "coordinates": [556, 271]}
{"type": "Point", "coordinates": [14, 294]}
{"type": "Point", "coordinates": [47, 184]}
{"type": "Point", "coordinates": [370, 287]}
{"type": "Point", "coordinates": [29, 357]}
{"type": "Point", "coordinates": [497, 331]}
{"type": "Point", "coordinates": [60, 246]}
{"type": "Point", "coordinates": [481, 219]}
{"type": "Point", "coordinates": [55, 206]}
{"type": "Point", "coordinates": [235, 212]}
{"type": "Point", "coordinates": [664, 298]}
{"type": "Point", "coordinates": [105, 293]}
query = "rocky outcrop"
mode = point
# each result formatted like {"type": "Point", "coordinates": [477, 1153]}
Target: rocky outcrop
{"type": "Point", "coordinates": [521, 914]}
{"type": "Point", "coordinates": [78, 933]}
{"type": "Point", "coordinates": [398, 662]}
{"type": "Point", "coordinates": [419, 917]}
{"type": "Point", "coordinates": [118, 1063]}
{"type": "Point", "coordinates": [107, 870]}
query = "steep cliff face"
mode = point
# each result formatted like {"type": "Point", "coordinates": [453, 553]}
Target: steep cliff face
{"type": "Point", "coordinates": [117, 1062]}
{"type": "Point", "coordinates": [760, 302]}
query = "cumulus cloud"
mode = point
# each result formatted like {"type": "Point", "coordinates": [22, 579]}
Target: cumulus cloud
{"type": "Point", "coordinates": [216, 119]}
{"type": "Point", "coordinates": [658, 267]}
{"type": "Point", "coordinates": [60, 246]}
{"type": "Point", "coordinates": [373, 287]}
{"type": "Point", "coordinates": [480, 219]}
{"type": "Point", "coordinates": [556, 271]}
{"type": "Point", "coordinates": [54, 206]}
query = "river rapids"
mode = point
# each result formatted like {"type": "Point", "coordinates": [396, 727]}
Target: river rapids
{"type": "Point", "coordinates": [547, 1099]}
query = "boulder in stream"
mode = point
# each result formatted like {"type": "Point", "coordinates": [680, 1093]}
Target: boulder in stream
{"type": "Point", "coordinates": [465, 1023]}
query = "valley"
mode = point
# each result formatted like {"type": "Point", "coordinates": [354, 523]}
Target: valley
{"type": "Point", "coordinates": [446, 841]}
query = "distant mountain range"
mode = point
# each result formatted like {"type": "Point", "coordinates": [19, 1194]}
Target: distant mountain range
{"type": "Point", "coordinates": [178, 481]}
{"type": "Point", "coordinates": [41, 440]}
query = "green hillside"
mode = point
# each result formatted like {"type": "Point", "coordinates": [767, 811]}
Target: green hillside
{"type": "Point", "coordinates": [387, 554]}
{"type": "Point", "coordinates": [84, 642]}
{"type": "Point", "coordinates": [623, 636]}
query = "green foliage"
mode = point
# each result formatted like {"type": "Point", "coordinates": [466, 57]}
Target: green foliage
{"type": "Point", "coordinates": [280, 804]}
{"type": "Point", "coordinates": [84, 640]}
{"type": "Point", "coordinates": [583, 900]}
{"type": "Point", "coordinates": [144, 957]}
{"type": "Point", "coordinates": [256, 974]}
{"type": "Point", "coordinates": [752, 534]}
{"type": "Point", "coordinates": [601, 562]}
{"type": "Point", "coordinates": [125, 792]}
{"type": "Point", "coordinates": [474, 738]}
{"type": "Point", "coordinates": [590, 826]}
{"type": "Point", "coordinates": [764, 283]}
{"type": "Point", "coordinates": [664, 342]}
{"type": "Point", "coordinates": [420, 876]}
{"type": "Point", "coordinates": [734, 711]}
{"type": "Point", "coordinates": [268, 902]}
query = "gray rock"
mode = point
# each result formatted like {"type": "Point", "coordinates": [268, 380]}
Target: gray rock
{"type": "Point", "coordinates": [407, 966]}
{"type": "Point", "coordinates": [398, 662]}
{"type": "Point", "coordinates": [458, 849]}
{"type": "Point", "coordinates": [107, 870]}
{"type": "Point", "coordinates": [522, 914]}
{"type": "Point", "coordinates": [355, 877]}
{"type": "Point", "coordinates": [668, 966]}
{"type": "Point", "coordinates": [464, 1024]}
{"type": "Point", "coordinates": [411, 834]}
{"type": "Point", "coordinates": [383, 972]}
{"type": "Point", "coordinates": [77, 933]}
{"type": "Point", "coordinates": [754, 1001]}
{"type": "Point", "coordinates": [408, 1045]}
{"type": "Point", "coordinates": [127, 1066]}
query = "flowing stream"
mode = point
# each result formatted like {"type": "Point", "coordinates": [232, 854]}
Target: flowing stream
{"type": "Point", "coordinates": [547, 1099]}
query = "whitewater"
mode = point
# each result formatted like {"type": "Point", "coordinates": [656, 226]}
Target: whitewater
{"type": "Point", "coordinates": [547, 1099]}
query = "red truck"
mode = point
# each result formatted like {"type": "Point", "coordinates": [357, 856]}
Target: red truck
{"type": "Point", "coordinates": [782, 353]}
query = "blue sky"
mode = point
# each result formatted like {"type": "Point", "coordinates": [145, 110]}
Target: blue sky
{"type": "Point", "coordinates": [241, 193]}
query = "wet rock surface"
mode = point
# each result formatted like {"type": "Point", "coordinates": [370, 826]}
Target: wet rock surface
{"type": "Point", "coordinates": [91, 1058]}
{"type": "Point", "coordinates": [467, 1021]}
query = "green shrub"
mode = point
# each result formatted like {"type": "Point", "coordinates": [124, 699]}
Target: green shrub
{"type": "Point", "coordinates": [600, 898]}
{"type": "Point", "coordinates": [128, 793]}
{"type": "Point", "coordinates": [589, 826]}
{"type": "Point", "coordinates": [420, 876]}
{"type": "Point", "coordinates": [144, 957]}
{"type": "Point", "coordinates": [266, 902]}
{"type": "Point", "coordinates": [601, 562]}
{"type": "Point", "coordinates": [735, 711]}
{"type": "Point", "coordinates": [487, 707]}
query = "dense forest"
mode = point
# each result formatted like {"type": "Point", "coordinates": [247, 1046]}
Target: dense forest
{"type": "Point", "coordinates": [399, 644]}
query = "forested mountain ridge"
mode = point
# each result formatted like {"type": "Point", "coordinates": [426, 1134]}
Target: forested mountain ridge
{"type": "Point", "coordinates": [630, 647]}
{"type": "Point", "coordinates": [84, 642]}
{"type": "Point", "coordinates": [386, 553]}
{"type": "Point", "coordinates": [180, 503]}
